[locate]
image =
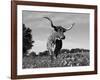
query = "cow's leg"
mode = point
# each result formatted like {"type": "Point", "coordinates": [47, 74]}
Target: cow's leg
{"type": "Point", "coordinates": [52, 55]}
{"type": "Point", "coordinates": [58, 47]}
{"type": "Point", "coordinates": [55, 52]}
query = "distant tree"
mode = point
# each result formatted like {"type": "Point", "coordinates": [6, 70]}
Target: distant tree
{"type": "Point", "coordinates": [65, 51]}
{"type": "Point", "coordinates": [72, 50]}
{"type": "Point", "coordinates": [75, 50]}
{"type": "Point", "coordinates": [27, 39]}
{"type": "Point", "coordinates": [33, 54]}
{"type": "Point", "coordinates": [78, 50]}
{"type": "Point", "coordinates": [84, 50]}
{"type": "Point", "coordinates": [45, 53]}
{"type": "Point", "coordinates": [87, 50]}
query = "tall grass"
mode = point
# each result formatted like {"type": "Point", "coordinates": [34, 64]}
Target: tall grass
{"type": "Point", "coordinates": [63, 60]}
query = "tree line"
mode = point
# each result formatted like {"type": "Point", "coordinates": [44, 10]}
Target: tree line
{"type": "Point", "coordinates": [65, 51]}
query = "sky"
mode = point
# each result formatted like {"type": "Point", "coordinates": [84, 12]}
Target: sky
{"type": "Point", "coordinates": [77, 37]}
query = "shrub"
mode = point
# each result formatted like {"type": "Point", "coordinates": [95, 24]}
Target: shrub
{"type": "Point", "coordinates": [27, 39]}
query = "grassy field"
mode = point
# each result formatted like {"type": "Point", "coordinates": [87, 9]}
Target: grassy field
{"type": "Point", "coordinates": [63, 60]}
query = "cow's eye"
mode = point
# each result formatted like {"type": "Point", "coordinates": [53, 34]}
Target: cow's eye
{"type": "Point", "coordinates": [60, 29]}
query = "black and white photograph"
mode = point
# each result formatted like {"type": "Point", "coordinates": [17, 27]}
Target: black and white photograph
{"type": "Point", "coordinates": [55, 39]}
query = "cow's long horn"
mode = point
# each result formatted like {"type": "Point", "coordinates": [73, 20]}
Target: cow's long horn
{"type": "Point", "coordinates": [70, 27]}
{"type": "Point", "coordinates": [51, 22]}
